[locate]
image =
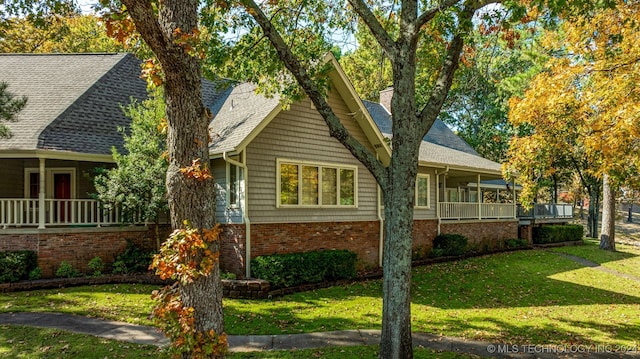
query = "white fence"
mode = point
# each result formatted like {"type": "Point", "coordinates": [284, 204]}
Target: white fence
{"type": "Point", "coordinates": [467, 210]}
{"type": "Point", "coordinates": [59, 212]}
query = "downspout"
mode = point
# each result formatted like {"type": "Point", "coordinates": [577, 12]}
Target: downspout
{"type": "Point", "coordinates": [438, 195]}
{"type": "Point", "coordinates": [245, 208]}
{"type": "Point", "coordinates": [381, 220]}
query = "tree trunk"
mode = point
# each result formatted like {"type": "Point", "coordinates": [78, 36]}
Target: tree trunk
{"type": "Point", "coordinates": [607, 237]}
{"type": "Point", "coordinates": [399, 197]}
{"type": "Point", "coordinates": [191, 200]}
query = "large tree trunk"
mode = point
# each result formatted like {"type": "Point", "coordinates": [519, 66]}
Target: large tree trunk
{"type": "Point", "coordinates": [399, 197]}
{"type": "Point", "coordinates": [191, 200]}
{"type": "Point", "coordinates": [608, 235]}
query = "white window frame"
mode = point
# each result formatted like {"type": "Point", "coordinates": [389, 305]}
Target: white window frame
{"type": "Point", "coordinates": [319, 165]}
{"type": "Point", "coordinates": [239, 180]}
{"type": "Point", "coordinates": [49, 172]}
{"type": "Point", "coordinates": [428, 177]}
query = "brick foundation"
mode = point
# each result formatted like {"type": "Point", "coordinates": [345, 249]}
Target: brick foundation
{"type": "Point", "coordinates": [278, 238]}
{"type": "Point", "coordinates": [485, 235]}
{"type": "Point", "coordinates": [77, 245]}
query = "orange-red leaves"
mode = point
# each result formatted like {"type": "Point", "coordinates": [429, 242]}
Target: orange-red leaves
{"type": "Point", "coordinates": [197, 171]}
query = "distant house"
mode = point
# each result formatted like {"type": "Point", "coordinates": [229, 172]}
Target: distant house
{"type": "Point", "coordinates": [283, 183]}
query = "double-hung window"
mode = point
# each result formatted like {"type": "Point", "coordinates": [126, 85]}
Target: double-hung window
{"type": "Point", "coordinates": [315, 184]}
{"type": "Point", "coordinates": [422, 191]}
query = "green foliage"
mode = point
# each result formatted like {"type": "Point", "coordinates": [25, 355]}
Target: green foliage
{"type": "Point", "coordinates": [132, 260]}
{"type": "Point", "coordinates": [9, 108]}
{"type": "Point", "coordinates": [288, 270]}
{"type": "Point", "coordinates": [515, 243]}
{"type": "Point", "coordinates": [119, 267]}
{"type": "Point", "coordinates": [16, 265]}
{"type": "Point", "coordinates": [137, 184]}
{"type": "Point", "coordinates": [559, 233]}
{"type": "Point", "coordinates": [230, 276]}
{"type": "Point", "coordinates": [96, 265]}
{"type": "Point", "coordinates": [36, 273]}
{"type": "Point", "coordinates": [449, 245]}
{"type": "Point", "coordinates": [66, 270]}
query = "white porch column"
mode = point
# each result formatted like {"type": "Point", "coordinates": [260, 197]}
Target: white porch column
{"type": "Point", "coordinates": [479, 200]}
{"type": "Point", "coordinates": [515, 205]}
{"type": "Point", "coordinates": [41, 194]}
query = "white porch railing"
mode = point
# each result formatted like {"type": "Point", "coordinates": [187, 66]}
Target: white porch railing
{"type": "Point", "coordinates": [59, 212]}
{"type": "Point", "coordinates": [470, 210]}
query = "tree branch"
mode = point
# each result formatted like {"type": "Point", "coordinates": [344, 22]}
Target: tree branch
{"type": "Point", "coordinates": [444, 80]}
{"type": "Point", "coordinates": [381, 35]}
{"type": "Point", "coordinates": [426, 16]}
{"type": "Point", "coordinates": [147, 25]}
{"type": "Point", "coordinates": [336, 128]}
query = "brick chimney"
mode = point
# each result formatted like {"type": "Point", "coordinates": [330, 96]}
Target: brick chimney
{"type": "Point", "coordinates": [385, 98]}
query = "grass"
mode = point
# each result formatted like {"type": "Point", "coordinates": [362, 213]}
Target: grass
{"type": "Point", "coordinates": [524, 297]}
{"type": "Point", "coordinates": [625, 260]}
{"type": "Point", "coordinates": [40, 343]}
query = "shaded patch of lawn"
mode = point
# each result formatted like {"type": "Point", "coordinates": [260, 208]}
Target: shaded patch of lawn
{"type": "Point", "coordinates": [123, 302]}
{"type": "Point", "coordinates": [40, 343]}
{"type": "Point", "coordinates": [36, 343]}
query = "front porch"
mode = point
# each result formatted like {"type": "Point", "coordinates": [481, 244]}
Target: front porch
{"type": "Point", "coordinates": [21, 212]}
{"type": "Point", "coordinates": [41, 192]}
{"type": "Point", "coordinates": [471, 196]}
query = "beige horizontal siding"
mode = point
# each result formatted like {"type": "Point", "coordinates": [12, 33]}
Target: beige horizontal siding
{"type": "Point", "coordinates": [301, 134]}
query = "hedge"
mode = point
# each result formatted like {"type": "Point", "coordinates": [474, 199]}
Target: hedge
{"type": "Point", "coordinates": [289, 270]}
{"type": "Point", "coordinates": [557, 233]}
{"type": "Point", "coordinates": [449, 245]}
{"type": "Point", "coordinates": [16, 265]}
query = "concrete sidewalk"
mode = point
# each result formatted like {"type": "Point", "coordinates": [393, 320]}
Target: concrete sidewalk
{"type": "Point", "coordinates": [244, 343]}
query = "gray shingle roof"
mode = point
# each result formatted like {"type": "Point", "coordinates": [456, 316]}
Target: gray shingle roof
{"type": "Point", "coordinates": [237, 113]}
{"type": "Point", "coordinates": [439, 134]}
{"type": "Point", "coordinates": [73, 100]}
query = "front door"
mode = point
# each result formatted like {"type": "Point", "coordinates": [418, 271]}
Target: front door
{"type": "Point", "coordinates": [62, 190]}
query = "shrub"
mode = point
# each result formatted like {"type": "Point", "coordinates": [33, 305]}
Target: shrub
{"type": "Point", "coordinates": [225, 275]}
{"type": "Point", "coordinates": [515, 243]}
{"type": "Point", "coordinates": [119, 267]}
{"type": "Point", "coordinates": [557, 233]}
{"type": "Point", "coordinates": [36, 273]}
{"type": "Point", "coordinates": [449, 245]}
{"type": "Point", "coordinates": [16, 265]}
{"type": "Point", "coordinates": [96, 265]}
{"type": "Point", "coordinates": [66, 270]}
{"type": "Point", "coordinates": [132, 260]}
{"type": "Point", "coordinates": [288, 270]}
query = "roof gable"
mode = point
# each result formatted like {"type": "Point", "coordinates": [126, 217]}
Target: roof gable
{"type": "Point", "coordinates": [242, 114]}
{"type": "Point", "coordinates": [52, 84]}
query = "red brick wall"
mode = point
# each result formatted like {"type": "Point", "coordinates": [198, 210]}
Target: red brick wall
{"type": "Point", "coordinates": [77, 246]}
{"type": "Point", "coordinates": [424, 231]}
{"type": "Point", "coordinates": [483, 235]}
{"type": "Point", "coordinates": [232, 249]}
{"type": "Point", "coordinates": [277, 238]}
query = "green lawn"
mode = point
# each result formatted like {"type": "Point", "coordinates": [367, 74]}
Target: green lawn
{"type": "Point", "coordinates": [39, 343]}
{"type": "Point", "coordinates": [625, 260]}
{"type": "Point", "coordinates": [524, 297]}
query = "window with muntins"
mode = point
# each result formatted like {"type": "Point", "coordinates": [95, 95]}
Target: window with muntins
{"type": "Point", "coordinates": [316, 185]}
{"type": "Point", "coordinates": [422, 191]}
